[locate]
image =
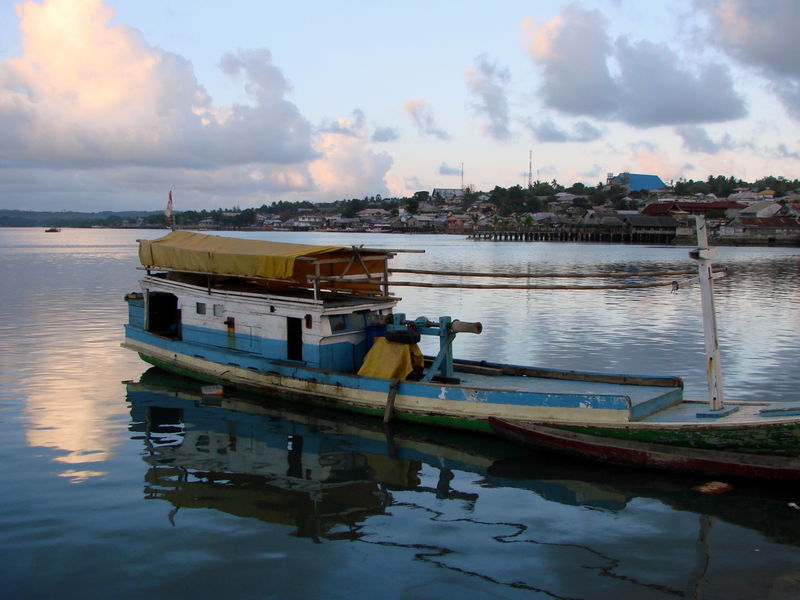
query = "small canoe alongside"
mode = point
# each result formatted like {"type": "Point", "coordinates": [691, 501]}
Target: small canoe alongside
{"type": "Point", "coordinates": [646, 454]}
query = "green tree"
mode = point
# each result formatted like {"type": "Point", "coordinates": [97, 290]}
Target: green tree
{"type": "Point", "coordinates": [352, 207]}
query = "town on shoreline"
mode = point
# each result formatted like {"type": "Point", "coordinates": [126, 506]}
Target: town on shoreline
{"type": "Point", "coordinates": [628, 208]}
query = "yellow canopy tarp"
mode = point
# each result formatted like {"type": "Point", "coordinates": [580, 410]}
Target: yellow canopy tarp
{"type": "Point", "coordinates": [187, 251]}
{"type": "Point", "coordinates": [391, 360]}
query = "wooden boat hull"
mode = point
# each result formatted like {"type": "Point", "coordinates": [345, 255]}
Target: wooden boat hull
{"type": "Point", "coordinates": [435, 403]}
{"type": "Point", "coordinates": [776, 436]}
{"type": "Point", "coordinates": [647, 454]}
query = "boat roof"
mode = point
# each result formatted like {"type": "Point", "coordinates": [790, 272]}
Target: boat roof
{"type": "Point", "coordinates": [301, 265]}
{"type": "Point", "coordinates": [189, 251]}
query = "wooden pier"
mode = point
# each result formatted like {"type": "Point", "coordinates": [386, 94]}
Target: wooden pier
{"type": "Point", "coordinates": [577, 233]}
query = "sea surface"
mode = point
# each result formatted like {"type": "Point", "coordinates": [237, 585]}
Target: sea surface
{"type": "Point", "coordinates": [118, 481]}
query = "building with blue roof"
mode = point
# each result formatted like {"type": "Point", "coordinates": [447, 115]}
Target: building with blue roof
{"type": "Point", "coordinates": [636, 182]}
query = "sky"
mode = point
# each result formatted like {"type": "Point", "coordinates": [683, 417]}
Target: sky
{"type": "Point", "coordinates": [109, 105]}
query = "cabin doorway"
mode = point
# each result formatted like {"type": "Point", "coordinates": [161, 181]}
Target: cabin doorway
{"type": "Point", "coordinates": [163, 315]}
{"type": "Point", "coordinates": [294, 338]}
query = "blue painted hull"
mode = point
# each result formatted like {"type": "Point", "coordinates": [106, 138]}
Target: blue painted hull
{"type": "Point", "coordinates": [466, 404]}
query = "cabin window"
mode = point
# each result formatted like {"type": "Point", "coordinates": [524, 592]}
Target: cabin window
{"type": "Point", "coordinates": [219, 309]}
{"type": "Point", "coordinates": [200, 308]}
{"type": "Point", "coordinates": [294, 338]}
{"type": "Point", "coordinates": [356, 320]}
{"type": "Point", "coordinates": [163, 314]}
{"type": "Point", "coordinates": [337, 322]}
{"type": "Point", "coordinates": [352, 322]}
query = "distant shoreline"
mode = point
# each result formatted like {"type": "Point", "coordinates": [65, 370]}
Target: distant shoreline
{"type": "Point", "coordinates": [680, 241]}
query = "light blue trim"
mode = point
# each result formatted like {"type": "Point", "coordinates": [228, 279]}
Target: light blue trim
{"type": "Point", "coordinates": [430, 391]}
{"type": "Point", "coordinates": [644, 409]}
{"type": "Point", "coordinates": [339, 356]}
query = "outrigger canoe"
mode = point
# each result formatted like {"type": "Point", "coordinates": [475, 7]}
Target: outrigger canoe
{"type": "Point", "coordinates": [628, 452]}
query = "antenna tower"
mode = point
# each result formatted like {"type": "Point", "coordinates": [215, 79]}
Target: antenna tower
{"type": "Point", "coordinates": [530, 169]}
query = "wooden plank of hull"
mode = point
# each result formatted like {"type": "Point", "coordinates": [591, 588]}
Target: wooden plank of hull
{"type": "Point", "coordinates": [433, 403]}
{"type": "Point", "coordinates": [644, 454]}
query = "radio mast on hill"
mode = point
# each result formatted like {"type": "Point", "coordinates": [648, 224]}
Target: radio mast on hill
{"type": "Point", "coordinates": [530, 169]}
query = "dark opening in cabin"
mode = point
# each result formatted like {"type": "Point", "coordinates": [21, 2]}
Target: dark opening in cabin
{"type": "Point", "coordinates": [294, 338]}
{"type": "Point", "coordinates": [163, 316]}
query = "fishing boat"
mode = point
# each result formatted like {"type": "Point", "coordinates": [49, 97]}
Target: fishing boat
{"type": "Point", "coordinates": [319, 323]}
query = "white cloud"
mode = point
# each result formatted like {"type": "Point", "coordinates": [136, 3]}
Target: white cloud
{"type": "Point", "coordinates": [487, 83]}
{"type": "Point", "coordinates": [94, 116]}
{"type": "Point", "coordinates": [648, 158]}
{"type": "Point", "coordinates": [696, 139]}
{"type": "Point", "coordinates": [353, 127]}
{"type": "Point", "coordinates": [445, 169]}
{"type": "Point", "coordinates": [91, 93]}
{"type": "Point", "coordinates": [422, 116]}
{"type": "Point", "coordinates": [763, 35]}
{"type": "Point", "coordinates": [347, 166]}
{"type": "Point", "coordinates": [572, 49]}
{"type": "Point", "coordinates": [385, 134]}
{"type": "Point", "coordinates": [653, 87]}
{"type": "Point", "coordinates": [547, 130]}
{"type": "Point", "coordinates": [656, 90]}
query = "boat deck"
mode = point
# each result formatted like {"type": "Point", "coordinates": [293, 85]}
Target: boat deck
{"type": "Point", "coordinates": [687, 412]}
{"type": "Point", "coordinates": [645, 400]}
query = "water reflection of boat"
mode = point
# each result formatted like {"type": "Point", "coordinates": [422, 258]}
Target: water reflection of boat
{"type": "Point", "coordinates": [324, 473]}
{"type": "Point", "coordinates": [304, 469]}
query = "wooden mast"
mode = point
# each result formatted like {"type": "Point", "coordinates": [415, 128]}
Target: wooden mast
{"type": "Point", "coordinates": [703, 255]}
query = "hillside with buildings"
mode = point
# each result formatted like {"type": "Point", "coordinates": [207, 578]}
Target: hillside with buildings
{"type": "Point", "coordinates": [628, 207]}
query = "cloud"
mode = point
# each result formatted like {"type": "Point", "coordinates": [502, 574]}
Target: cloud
{"type": "Point", "coordinates": [655, 90]}
{"type": "Point", "coordinates": [385, 134]}
{"type": "Point", "coordinates": [696, 139]}
{"type": "Point", "coordinates": [445, 169]}
{"type": "Point", "coordinates": [352, 127]}
{"type": "Point", "coordinates": [758, 33]}
{"type": "Point", "coordinates": [487, 83]}
{"type": "Point", "coordinates": [648, 158]}
{"type": "Point", "coordinates": [92, 116]}
{"type": "Point", "coordinates": [347, 166]}
{"type": "Point", "coordinates": [572, 50]}
{"type": "Point", "coordinates": [762, 35]}
{"type": "Point", "coordinates": [783, 152]}
{"type": "Point", "coordinates": [91, 93]}
{"type": "Point", "coordinates": [402, 187]}
{"type": "Point", "coordinates": [651, 88]}
{"type": "Point", "coordinates": [422, 116]}
{"type": "Point", "coordinates": [547, 131]}
{"type": "Point", "coordinates": [595, 171]}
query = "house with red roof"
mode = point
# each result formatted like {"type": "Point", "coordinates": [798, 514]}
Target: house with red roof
{"type": "Point", "coordinates": [676, 208]}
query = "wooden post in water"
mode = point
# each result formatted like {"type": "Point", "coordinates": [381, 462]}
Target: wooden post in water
{"type": "Point", "coordinates": [703, 255]}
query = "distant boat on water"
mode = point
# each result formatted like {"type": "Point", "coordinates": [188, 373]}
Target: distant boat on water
{"type": "Point", "coordinates": [52, 230]}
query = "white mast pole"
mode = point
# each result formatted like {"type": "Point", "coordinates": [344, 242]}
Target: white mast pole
{"type": "Point", "coordinates": [703, 256]}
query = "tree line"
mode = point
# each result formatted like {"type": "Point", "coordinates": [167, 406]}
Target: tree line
{"type": "Point", "coordinates": [504, 201]}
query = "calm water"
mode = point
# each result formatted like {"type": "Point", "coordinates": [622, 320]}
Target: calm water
{"type": "Point", "coordinates": [120, 482]}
